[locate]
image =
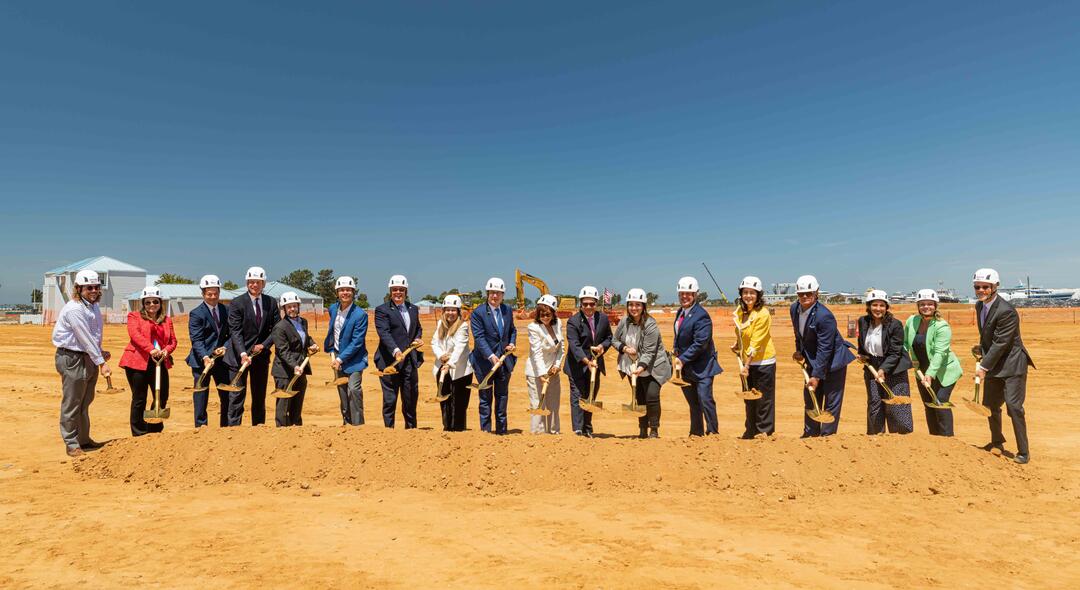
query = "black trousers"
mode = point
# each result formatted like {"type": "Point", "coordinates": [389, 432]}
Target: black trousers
{"type": "Point", "coordinates": [579, 389]}
{"type": "Point", "coordinates": [454, 408]}
{"type": "Point", "coordinates": [219, 374]}
{"type": "Point", "coordinates": [648, 394]}
{"type": "Point", "coordinates": [761, 413]}
{"type": "Point", "coordinates": [403, 384]}
{"type": "Point", "coordinates": [289, 410]}
{"type": "Point", "coordinates": [140, 382]}
{"type": "Point", "coordinates": [938, 422]}
{"type": "Point", "coordinates": [254, 378]}
{"type": "Point", "coordinates": [1011, 391]}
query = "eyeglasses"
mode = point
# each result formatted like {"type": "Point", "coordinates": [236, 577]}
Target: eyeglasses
{"type": "Point", "coordinates": [983, 287]}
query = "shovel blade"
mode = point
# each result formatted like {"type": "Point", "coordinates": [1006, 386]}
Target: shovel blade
{"type": "Point", "coordinates": [540, 411]}
{"type": "Point", "coordinates": [338, 381]}
{"type": "Point", "coordinates": [939, 406]}
{"type": "Point", "coordinates": [977, 408]}
{"type": "Point", "coordinates": [595, 407]}
{"type": "Point", "coordinates": [821, 416]}
{"type": "Point", "coordinates": [112, 390]}
{"type": "Point", "coordinates": [900, 400]}
{"type": "Point", "coordinates": [678, 382]}
{"type": "Point", "coordinates": [749, 394]}
{"type": "Point", "coordinates": [283, 393]}
{"type": "Point", "coordinates": [633, 409]}
{"type": "Point", "coordinates": [233, 388]}
{"type": "Point", "coordinates": [387, 372]}
{"type": "Point", "coordinates": [197, 389]}
{"type": "Point", "coordinates": [156, 416]}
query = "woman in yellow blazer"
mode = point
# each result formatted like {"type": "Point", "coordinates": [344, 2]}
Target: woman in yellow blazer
{"type": "Point", "coordinates": [755, 324]}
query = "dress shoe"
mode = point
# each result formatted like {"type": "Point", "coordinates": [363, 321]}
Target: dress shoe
{"type": "Point", "coordinates": [586, 433]}
{"type": "Point", "coordinates": [644, 433]}
{"type": "Point", "coordinates": [1022, 458]}
{"type": "Point", "coordinates": [91, 445]}
{"type": "Point", "coordinates": [994, 448]}
{"type": "Point", "coordinates": [654, 433]}
{"type": "Point", "coordinates": [74, 452]}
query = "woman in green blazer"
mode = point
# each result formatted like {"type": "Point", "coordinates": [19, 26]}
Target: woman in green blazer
{"type": "Point", "coordinates": [927, 339]}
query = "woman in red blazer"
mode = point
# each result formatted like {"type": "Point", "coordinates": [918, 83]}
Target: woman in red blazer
{"type": "Point", "coordinates": [152, 337]}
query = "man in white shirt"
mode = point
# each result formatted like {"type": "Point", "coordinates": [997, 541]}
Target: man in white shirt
{"type": "Point", "coordinates": [79, 360]}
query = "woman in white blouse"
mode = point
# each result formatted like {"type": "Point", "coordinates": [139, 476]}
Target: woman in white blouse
{"type": "Point", "coordinates": [547, 349]}
{"type": "Point", "coordinates": [451, 347]}
{"type": "Point", "coordinates": [881, 344]}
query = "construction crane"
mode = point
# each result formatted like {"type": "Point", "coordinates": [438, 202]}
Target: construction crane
{"type": "Point", "coordinates": [723, 298]}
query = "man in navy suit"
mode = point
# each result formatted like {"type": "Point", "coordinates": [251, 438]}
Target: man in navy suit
{"type": "Point", "coordinates": [251, 317]}
{"type": "Point", "coordinates": [818, 342]}
{"type": "Point", "coordinates": [345, 340]}
{"type": "Point", "coordinates": [398, 324]}
{"type": "Point", "coordinates": [695, 355]}
{"type": "Point", "coordinates": [494, 334]}
{"type": "Point", "coordinates": [208, 327]}
{"type": "Point", "coordinates": [588, 336]}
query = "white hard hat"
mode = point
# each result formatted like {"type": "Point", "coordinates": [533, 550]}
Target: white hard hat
{"type": "Point", "coordinates": [986, 275]}
{"type": "Point", "coordinates": [927, 295]}
{"type": "Point", "coordinates": [255, 273]}
{"type": "Point", "coordinates": [452, 301]}
{"type": "Point", "coordinates": [548, 300]}
{"type": "Point", "coordinates": [495, 284]}
{"type": "Point", "coordinates": [288, 297]}
{"type": "Point", "coordinates": [751, 283]}
{"type": "Point", "coordinates": [345, 283]}
{"type": "Point", "coordinates": [688, 285]}
{"type": "Point", "coordinates": [636, 295]}
{"type": "Point", "coordinates": [209, 281]}
{"type": "Point", "coordinates": [398, 281]}
{"type": "Point", "coordinates": [589, 291]}
{"type": "Point", "coordinates": [876, 295]}
{"type": "Point", "coordinates": [807, 284]}
{"type": "Point", "coordinates": [150, 293]}
{"type": "Point", "coordinates": [87, 277]}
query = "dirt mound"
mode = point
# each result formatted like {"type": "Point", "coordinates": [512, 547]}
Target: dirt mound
{"type": "Point", "coordinates": [510, 465]}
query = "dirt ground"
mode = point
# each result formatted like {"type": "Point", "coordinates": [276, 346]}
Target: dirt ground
{"type": "Point", "coordinates": [325, 506]}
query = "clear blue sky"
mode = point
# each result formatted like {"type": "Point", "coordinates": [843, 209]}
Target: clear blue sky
{"type": "Point", "coordinates": [618, 143]}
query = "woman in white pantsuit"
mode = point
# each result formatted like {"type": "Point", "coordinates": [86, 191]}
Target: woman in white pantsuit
{"type": "Point", "coordinates": [547, 349]}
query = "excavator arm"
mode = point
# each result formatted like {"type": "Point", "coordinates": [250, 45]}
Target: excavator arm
{"type": "Point", "coordinates": [520, 278]}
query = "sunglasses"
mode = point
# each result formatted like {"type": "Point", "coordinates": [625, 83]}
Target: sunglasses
{"type": "Point", "coordinates": [588, 305]}
{"type": "Point", "coordinates": [983, 287]}
{"type": "Point", "coordinates": [152, 302]}
{"type": "Point", "coordinates": [92, 287]}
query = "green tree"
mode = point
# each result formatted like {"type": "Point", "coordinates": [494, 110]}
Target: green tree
{"type": "Point", "coordinates": [702, 297]}
{"type": "Point", "coordinates": [362, 301]}
{"type": "Point", "coordinates": [650, 298]}
{"type": "Point", "coordinates": [168, 278]}
{"type": "Point", "coordinates": [324, 286]}
{"type": "Point", "coordinates": [35, 296]}
{"type": "Point", "coordinates": [616, 298]}
{"type": "Point", "coordinates": [230, 286]}
{"type": "Point", "coordinates": [301, 279]}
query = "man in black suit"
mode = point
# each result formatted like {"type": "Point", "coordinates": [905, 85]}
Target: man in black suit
{"type": "Point", "coordinates": [588, 336]}
{"type": "Point", "coordinates": [398, 324]}
{"type": "Point", "coordinates": [1004, 364]}
{"type": "Point", "coordinates": [251, 317]}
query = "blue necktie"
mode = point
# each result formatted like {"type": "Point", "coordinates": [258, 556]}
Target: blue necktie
{"type": "Point", "coordinates": [498, 322]}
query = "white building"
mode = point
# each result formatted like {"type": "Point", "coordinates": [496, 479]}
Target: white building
{"type": "Point", "coordinates": [179, 299]}
{"type": "Point", "coordinates": [118, 279]}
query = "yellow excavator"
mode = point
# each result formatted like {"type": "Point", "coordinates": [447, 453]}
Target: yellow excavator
{"type": "Point", "coordinates": [567, 305]}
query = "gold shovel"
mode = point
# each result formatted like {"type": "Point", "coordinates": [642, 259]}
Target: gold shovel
{"type": "Point", "coordinates": [816, 413]}
{"type": "Point", "coordinates": [676, 377]}
{"type": "Point", "coordinates": [747, 392]}
{"type": "Point", "coordinates": [235, 385]}
{"type": "Point", "coordinates": [540, 410]}
{"type": "Point", "coordinates": [109, 389]}
{"type": "Point", "coordinates": [890, 398]}
{"type": "Point", "coordinates": [591, 405]}
{"type": "Point", "coordinates": [289, 391]}
{"type": "Point", "coordinates": [339, 377]}
{"type": "Point", "coordinates": [439, 396]}
{"type": "Point", "coordinates": [486, 382]}
{"type": "Point", "coordinates": [975, 405]}
{"type": "Point", "coordinates": [633, 407]}
{"type": "Point", "coordinates": [936, 404]}
{"type": "Point", "coordinates": [156, 415]}
{"type": "Point", "coordinates": [391, 369]}
{"type": "Point", "coordinates": [202, 385]}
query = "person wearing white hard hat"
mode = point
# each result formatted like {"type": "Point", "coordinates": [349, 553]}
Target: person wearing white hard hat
{"type": "Point", "coordinates": [547, 349]}
{"type": "Point", "coordinates": [695, 355]}
{"type": "Point", "coordinates": [292, 344]}
{"type": "Point", "coordinates": [345, 341]}
{"type": "Point", "coordinates": [881, 344]}
{"type": "Point", "coordinates": [79, 360]}
{"type": "Point", "coordinates": [755, 332]}
{"type": "Point", "coordinates": [208, 329]}
{"type": "Point", "coordinates": [494, 335]}
{"type": "Point", "coordinates": [152, 343]}
{"type": "Point", "coordinates": [819, 345]}
{"type": "Point", "coordinates": [251, 318]}
{"type": "Point", "coordinates": [588, 336]}
{"type": "Point", "coordinates": [643, 356]}
{"type": "Point", "coordinates": [398, 324]}
{"type": "Point", "coordinates": [450, 344]}
{"type": "Point", "coordinates": [1004, 364]}
{"type": "Point", "coordinates": [928, 341]}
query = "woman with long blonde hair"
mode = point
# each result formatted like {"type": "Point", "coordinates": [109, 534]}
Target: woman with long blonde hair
{"type": "Point", "coordinates": [450, 343]}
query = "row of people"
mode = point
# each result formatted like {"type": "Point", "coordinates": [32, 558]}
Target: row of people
{"type": "Point", "coordinates": [242, 334]}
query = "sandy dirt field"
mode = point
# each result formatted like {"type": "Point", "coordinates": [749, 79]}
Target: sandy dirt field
{"type": "Point", "coordinates": [325, 506]}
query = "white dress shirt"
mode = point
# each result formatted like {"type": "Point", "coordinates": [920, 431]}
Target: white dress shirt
{"type": "Point", "coordinates": [78, 327]}
{"type": "Point", "coordinates": [872, 342]}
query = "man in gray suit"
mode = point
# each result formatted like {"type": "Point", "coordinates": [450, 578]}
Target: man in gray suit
{"type": "Point", "coordinates": [1004, 364]}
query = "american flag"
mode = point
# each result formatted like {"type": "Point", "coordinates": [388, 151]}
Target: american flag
{"type": "Point", "coordinates": [607, 296]}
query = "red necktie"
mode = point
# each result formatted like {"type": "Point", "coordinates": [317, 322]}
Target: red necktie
{"type": "Point", "coordinates": [258, 313]}
{"type": "Point", "coordinates": [678, 323]}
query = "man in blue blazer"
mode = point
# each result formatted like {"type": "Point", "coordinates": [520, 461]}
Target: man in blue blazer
{"type": "Point", "coordinates": [345, 341]}
{"type": "Point", "coordinates": [494, 334]}
{"type": "Point", "coordinates": [588, 336]}
{"type": "Point", "coordinates": [818, 342]}
{"type": "Point", "coordinates": [695, 354]}
{"type": "Point", "coordinates": [251, 317]}
{"type": "Point", "coordinates": [208, 327]}
{"type": "Point", "coordinates": [398, 324]}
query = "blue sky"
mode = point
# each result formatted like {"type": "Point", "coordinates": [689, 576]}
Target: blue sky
{"type": "Point", "coordinates": [613, 143]}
